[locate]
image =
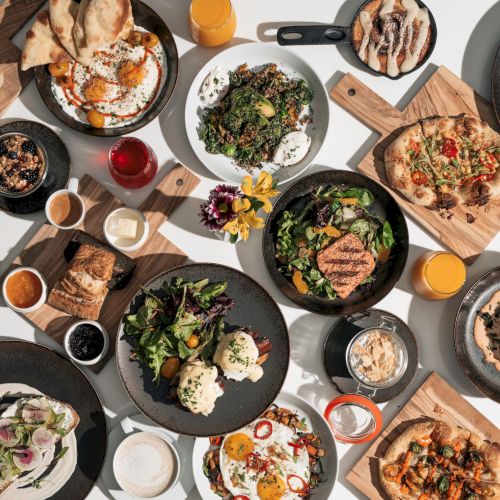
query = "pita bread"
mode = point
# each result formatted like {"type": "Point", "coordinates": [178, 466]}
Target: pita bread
{"type": "Point", "coordinates": [78, 28]}
{"type": "Point", "coordinates": [42, 45]}
{"type": "Point", "coordinates": [104, 22]}
{"type": "Point", "coordinates": [62, 19]}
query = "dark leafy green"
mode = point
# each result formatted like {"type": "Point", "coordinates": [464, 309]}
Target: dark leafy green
{"type": "Point", "coordinates": [261, 106]}
{"type": "Point", "coordinates": [163, 324]}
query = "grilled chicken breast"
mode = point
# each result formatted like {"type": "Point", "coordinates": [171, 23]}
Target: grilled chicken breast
{"type": "Point", "coordinates": [346, 264]}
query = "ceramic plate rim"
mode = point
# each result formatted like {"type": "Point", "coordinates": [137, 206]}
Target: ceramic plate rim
{"type": "Point", "coordinates": [200, 446]}
{"type": "Point", "coordinates": [191, 118]}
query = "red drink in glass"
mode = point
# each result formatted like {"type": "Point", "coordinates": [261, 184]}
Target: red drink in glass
{"type": "Point", "coordinates": [132, 163]}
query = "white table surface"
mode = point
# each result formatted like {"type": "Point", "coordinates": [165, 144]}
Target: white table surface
{"type": "Point", "coordinates": [467, 42]}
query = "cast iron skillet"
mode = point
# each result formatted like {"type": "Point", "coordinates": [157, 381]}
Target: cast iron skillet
{"type": "Point", "coordinates": [483, 375]}
{"type": "Point", "coordinates": [242, 402]}
{"type": "Point", "coordinates": [148, 19]}
{"type": "Point", "coordinates": [329, 34]}
{"type": "Point", "coordinates": [44, 369]}
{"type": "Point", "coordinates": [495, 85]}
{"type": "Point", "coordinates": [386, 277]}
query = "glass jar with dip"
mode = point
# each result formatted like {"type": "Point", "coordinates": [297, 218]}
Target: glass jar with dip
{"type": "Point", "coordinates": [132, 163]}
{"type": "Point", "coordinates": [376, 358]}
{"type": "Point", "coordinates": [212, 22]}
{"type": "Point", "coordinates": [438, 275]}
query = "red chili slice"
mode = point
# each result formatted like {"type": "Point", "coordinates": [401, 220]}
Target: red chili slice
{"type": "Point", "coordinates": [415, 147]}
{"type": "Point", "coordinates": [303, 490]}
{"type": "Point", "coordinates": [267, 428]}
{"type": "Point", "coordinates": [449, 148]}
{"type": "Point", "coordinates": [419, 178]}
{"type": "Point", "coordinates": [241, 497]}
{"type": "Point", "coordinates": [297, 446]}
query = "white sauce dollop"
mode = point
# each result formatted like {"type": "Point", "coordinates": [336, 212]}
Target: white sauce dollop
{"type": "Point", "coordinates": [293, 148]}
{"type": "Point", "coordinates": [215, 87]}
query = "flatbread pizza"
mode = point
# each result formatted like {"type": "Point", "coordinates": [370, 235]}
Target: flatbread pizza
{"type": "Point", "coordinates": [437, 460]}
{"type": "Point", "coordinates": [444, 162]}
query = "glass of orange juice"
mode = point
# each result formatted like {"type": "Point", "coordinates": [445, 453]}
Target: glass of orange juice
{"type": "Point", "coordinates": [438, 275]}
{"type": "Point", "coordinates": [212, 22]}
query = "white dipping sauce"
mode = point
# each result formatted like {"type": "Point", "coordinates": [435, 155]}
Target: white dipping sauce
{"type": "Point", "coordinates": [293, 148]}
{"type": "Point", "coordinates": [214, 88]}
{"type": "Point", "coordinates": [145, 465]}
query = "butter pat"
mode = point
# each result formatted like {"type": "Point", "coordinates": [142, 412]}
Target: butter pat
{"type": "Point", "coordinates": [126, 228]}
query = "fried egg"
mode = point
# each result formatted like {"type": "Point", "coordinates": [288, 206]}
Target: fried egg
{"type": "Point", "coordinates": [264, 469]}
{"type": "Point", "coordinates": [122, 82]}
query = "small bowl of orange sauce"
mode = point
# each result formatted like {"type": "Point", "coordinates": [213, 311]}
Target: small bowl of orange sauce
{"type": "Point", "coordinates": [24, 289]}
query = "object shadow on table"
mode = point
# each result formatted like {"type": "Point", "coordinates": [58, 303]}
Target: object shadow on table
{"type": "Point", "coordinates": [172, 119]}
{"type": "Point", "coordinates": [433, 322]}
{"type": "Point", "coordinates": [175, 13]}
{"type": "Point", "coordinates": [484, 40]}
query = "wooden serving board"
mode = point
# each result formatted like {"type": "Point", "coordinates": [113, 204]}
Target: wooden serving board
{"type": "Point", "coordinates": [45, 250]}
{"type": "Point", "coordinates": [14, 14]}
{"type": "Point", "coordinates": [434, 399]}
{"type": "Point", "coordinates": [443, 94]}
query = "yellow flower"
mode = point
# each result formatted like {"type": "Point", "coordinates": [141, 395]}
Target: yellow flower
{"type": "Point", "coordinates": [263, 190]}
{"type": "Point", "coordinates": [243, 223]}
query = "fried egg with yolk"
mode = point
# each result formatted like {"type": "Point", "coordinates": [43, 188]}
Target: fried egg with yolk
{"type": "Point", "coordinates": [263, 469]}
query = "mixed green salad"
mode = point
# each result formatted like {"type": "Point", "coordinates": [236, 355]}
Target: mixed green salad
{"type": "Point", "coordinates": [261, 106]}
{"type": "Point", "coordinates": [328, 213]}
{"type": "Point", "coordinates": [181, 322]}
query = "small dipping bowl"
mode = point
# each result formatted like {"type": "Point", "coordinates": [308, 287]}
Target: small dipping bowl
{"type": "Point", "coordinates": [24, 285]}
{"type": "Point", "coordinates": [140, 463]}
{"type": "Point", "coordinates": [122, 244]}
{"type": "Point", "coordinates": [88, 336]}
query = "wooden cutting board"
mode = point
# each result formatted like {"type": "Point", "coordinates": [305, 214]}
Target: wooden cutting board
{"type": "Point", "coordinates": [45, 250]}
{"type": "Point", "coordinates": [435, 399]}
{"type": "Point", "coordinates": [443, 94]}
{"type": "Point", "coordinates": [14, 14]}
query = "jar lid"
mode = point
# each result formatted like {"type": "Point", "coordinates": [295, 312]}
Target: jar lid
{"type": "Point", "coordinates": [354, 418]}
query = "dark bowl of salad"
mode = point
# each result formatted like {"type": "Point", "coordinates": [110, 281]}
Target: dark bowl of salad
{"type": "Point", "coordinates": [336, 242]}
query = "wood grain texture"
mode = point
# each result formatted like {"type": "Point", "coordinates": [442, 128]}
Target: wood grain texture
{"type": "Point", "coordinates": [13, 16]}
{"type": "Point", "coordinates": [435, 399]}
{"type": "Point", "coordinates": [45, 250]}
{"type": "Point", "coordinates": [443, 94]}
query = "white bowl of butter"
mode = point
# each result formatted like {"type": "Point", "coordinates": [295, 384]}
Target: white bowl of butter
{"type": "Point", "coordinates": [126, 229]}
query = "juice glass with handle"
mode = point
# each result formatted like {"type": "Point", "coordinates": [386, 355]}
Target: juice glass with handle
{"type": "Point", "coordinates": [212, 22]}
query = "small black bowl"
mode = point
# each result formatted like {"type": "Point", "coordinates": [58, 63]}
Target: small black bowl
{"type": "Point", "coordinates": [146, 18]}
{"type": "Point", "coordinates": [384, 206]}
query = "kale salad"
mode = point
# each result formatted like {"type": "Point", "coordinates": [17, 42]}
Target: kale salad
{"type": "Point", "coordinates": [323, 217]}
{"type": "Point", "coordinates": [261, 106]}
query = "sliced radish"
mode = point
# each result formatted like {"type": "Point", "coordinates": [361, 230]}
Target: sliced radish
{"type": "Point", "coordinates": [43, 438]}
{"type": "Point", "coordinates": [28, 458]}
{"type": "Point", "coordinates": [7, 434]}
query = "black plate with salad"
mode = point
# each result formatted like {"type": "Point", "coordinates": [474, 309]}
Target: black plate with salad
{"type": "Point", "coordinates": [336, 242]}
{"type": "Point", "coordinates": [183, 338]}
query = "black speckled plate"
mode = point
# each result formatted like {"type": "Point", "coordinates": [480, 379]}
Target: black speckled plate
{"type": "Point", "coordinates": [385, 207]}
{"type": "Point", "coordinates": [55, 376]}
{"type": "Point", "coordinates": [146, 18]}
{"type": "Point", "coordinates": [242, 402]}
{"type": "Point", "coordinates": [483, 375]}
{"type": "Point", "coordinates": [336, 345]}
{"type": "Point", "coordinates": [495, 85]}
{"type": "Point", "coordinates": [58, 171]}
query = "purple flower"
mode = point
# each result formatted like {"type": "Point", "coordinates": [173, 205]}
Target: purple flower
{"type": "Point", "coordinates": [217, 210]}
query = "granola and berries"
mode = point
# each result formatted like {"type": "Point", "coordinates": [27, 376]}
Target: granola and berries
{"type": "Point", "coordinates": [22, 164]}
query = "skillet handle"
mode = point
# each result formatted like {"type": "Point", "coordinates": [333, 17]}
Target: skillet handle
{"type": "Point", "coordinates": [321, 34]}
